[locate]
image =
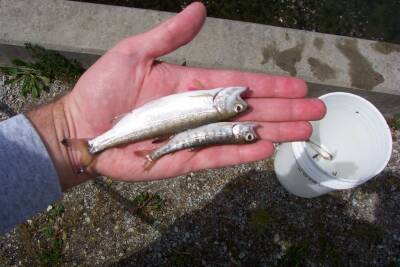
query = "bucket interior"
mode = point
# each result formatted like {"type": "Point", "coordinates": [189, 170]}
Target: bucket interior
{"type": "Point", "coordinates": [355, 134]}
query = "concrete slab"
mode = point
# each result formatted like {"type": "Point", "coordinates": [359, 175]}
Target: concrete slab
{"type": "Point", "coordinates": [91, 29]}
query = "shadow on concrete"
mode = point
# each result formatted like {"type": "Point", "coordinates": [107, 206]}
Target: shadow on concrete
{"type": "Point", "coordinates": [253, 221]}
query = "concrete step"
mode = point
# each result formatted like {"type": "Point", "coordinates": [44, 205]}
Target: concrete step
{"type": "Point", "coordinates": [328, 62]}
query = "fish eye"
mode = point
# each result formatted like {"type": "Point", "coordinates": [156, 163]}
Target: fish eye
{"type": "Point", "coordinates": [239, 108]}
{"type": "Point", "coordinates": [249, 137]}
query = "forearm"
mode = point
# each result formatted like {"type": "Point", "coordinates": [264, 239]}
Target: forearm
{"type": "Point", "coordinates": [52, 124]}
{"type": "Point", "coordinates": [29, 180]}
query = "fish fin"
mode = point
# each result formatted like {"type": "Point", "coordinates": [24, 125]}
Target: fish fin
{"type": "Point", "coordinates": [149, 164]}
{"type": "Point", "coordinates": [116, 119]}
{"type": "Point", "coordinates": [145, 154]}
{"type": "Point", "coordinates": [196, 85]}
{"type": "Point", "coordinates": [142, 153]}
{"type": "Point", "coordinates": [80, 145]}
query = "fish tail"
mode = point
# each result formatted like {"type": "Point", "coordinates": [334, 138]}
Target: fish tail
{"type": "Point", "coordinates": [149, 161]}
{"type": "Point", "coordinates": [81, 145]}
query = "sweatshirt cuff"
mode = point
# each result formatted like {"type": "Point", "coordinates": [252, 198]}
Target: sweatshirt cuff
{"type": "Point", "coordinates": [28, 178]}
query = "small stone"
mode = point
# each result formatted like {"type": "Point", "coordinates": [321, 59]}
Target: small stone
{"type": "Point", "coordinates": [241, 255]}
{"type": "Point", "coordinates": [87, 220]}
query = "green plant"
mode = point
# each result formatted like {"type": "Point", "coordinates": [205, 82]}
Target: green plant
{"type": "Point", "coordinates": [394, 122]}
{"type": "Point", "coordinates": [32, 80]}
{"type": "Point", "coordinates": [148, 201]}
{"type": "Point", "coordinates": [46, 66]}
{"type": "Point", "coordinates": [54, 237]}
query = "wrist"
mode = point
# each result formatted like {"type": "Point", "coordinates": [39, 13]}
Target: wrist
{"type": "Point", "coordinates": [52, 124]}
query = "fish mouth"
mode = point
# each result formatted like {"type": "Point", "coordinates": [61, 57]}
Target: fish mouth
{"type": "Point", "coordinates": [238, 90]}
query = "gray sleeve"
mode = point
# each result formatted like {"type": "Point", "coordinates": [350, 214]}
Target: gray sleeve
{"type": "Point", "coordinates": [28, 179]}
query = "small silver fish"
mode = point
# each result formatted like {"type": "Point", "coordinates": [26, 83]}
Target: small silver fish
{"type": "Point", "coordinates": [206, 135]}
{"type": "Point", "coordinates": [164, 117]}
{"type": "Point", "coordinates": [321, 151]}
{"type": "Point", "coordinates": [172, 114]}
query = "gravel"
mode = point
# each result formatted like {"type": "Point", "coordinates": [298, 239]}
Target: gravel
{"type": "Point", "coordinates": [237, 216]}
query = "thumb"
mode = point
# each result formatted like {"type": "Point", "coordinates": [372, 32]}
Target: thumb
{"type": "Point", "coordinates": [171, 34]}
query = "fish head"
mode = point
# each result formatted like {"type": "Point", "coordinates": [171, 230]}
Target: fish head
{"type": "Point", "coordinates": [228, 101]}
{"type": "Point", "coordinates": [245, 131]}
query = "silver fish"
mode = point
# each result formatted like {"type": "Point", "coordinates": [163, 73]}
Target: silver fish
{"type": "Point", "coordinates": [172, 114]}
{"type": "Point", "coordinates": [206, 135]}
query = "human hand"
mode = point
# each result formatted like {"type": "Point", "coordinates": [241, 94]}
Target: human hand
{"type": "Point", "coordinates": [128, 76]}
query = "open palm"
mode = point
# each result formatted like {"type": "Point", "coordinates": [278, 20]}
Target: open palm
{"type": "Point", "coordinates": [128, 76]}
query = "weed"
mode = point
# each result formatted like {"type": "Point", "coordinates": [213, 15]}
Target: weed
{"type": "Point", "coordinates": [54, 237]}
{"type": "Point", "coordinates": [47, 66]}
{"type": "Point", "coordinates": [147, 201]}
{"type": "Point", "coordinates": [394, 122]}
{"type": "Point", "coordinates": [260, 220]}
{"type": "Point", "coordinates": [52, 255]}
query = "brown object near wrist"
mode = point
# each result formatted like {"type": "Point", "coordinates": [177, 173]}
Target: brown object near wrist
{"type": "Point", "coordinates": [51, 123]}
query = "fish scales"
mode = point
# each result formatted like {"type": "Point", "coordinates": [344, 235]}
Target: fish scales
{"type": "Point", "coordinates": [172, 114]}
{"type": "Point", "coordinates": [207, 135]}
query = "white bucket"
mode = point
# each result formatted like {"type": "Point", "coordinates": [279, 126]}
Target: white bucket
{"type": "Point", "coordinates": [357, 136]}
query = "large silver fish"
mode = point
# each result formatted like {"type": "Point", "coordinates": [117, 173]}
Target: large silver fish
{"type": "Point", "coordinates": [172, 114]}
{"type": "Point", "coordinates": [206, 135]}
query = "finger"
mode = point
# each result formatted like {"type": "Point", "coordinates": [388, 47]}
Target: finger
{"type": "Point", "coordinates": [280, 110]}
{"type": "Point", "coordinates": [227, 155]}
{"type": "Point", "coordinates": [171, 34]}
{"type": "Point", "coordinates": [261, 85]}
{"type": "Point", "coordinates": [284, 131]}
